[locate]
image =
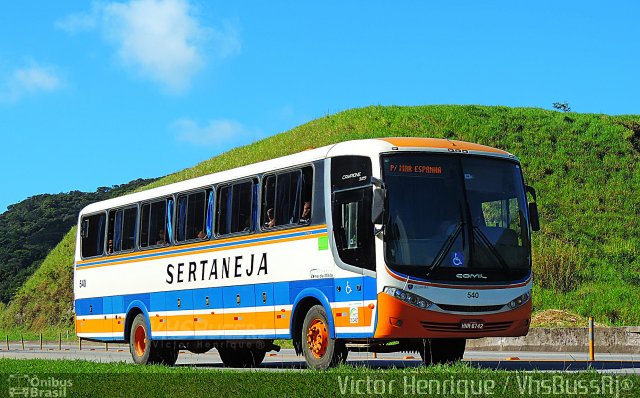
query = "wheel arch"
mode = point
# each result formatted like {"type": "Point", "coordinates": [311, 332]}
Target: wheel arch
{"type": "Point", "coordinates": [306, 299]}
{"type": "Point", "coordinates": [135, 308]}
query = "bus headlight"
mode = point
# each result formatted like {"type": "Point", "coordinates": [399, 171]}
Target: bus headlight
{"type": "Point", "coordinates": [409, 298]}
{"type": "Point", "coordinates": [518, 301]}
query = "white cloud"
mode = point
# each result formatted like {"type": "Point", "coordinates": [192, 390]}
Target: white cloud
{"type": "Point", "coordinates": [29, 81]}
{"type": "Point", "coordinates": [158, 40]}
{"type": "Point", "coordinates": [220, 133]}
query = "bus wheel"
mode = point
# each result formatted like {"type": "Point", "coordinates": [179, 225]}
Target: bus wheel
{"type": "Point", "coordinates": [244, 357]}
{"type": "Point", "coordinates": [140, 345]}
{"type": "Point", "coordinates": [320, 350]}
{"type": "Point", "coordinates": [145, 351]}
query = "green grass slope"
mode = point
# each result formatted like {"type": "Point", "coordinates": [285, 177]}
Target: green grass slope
{"type": "Point", "coordinates": [584, 166]}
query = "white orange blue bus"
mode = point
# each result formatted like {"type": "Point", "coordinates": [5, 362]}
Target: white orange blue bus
{"type": "Point", "coordinates": [382, 245]}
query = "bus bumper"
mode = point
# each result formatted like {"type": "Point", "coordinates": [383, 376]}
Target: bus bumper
{"type": "Point", "coordinates": [397, 319]}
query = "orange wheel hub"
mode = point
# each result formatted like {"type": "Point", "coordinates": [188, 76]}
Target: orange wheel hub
{"type": "Point", "coordinates": [140, 340]}
{"type": "Point", "coordinates": [317, 338]}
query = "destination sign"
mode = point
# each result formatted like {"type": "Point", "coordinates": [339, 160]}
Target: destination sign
{"type": "Point", "coordinates": [408, 168]}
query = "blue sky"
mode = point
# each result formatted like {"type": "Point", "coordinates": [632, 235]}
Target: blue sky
{"type": "Point", "coordinates": [99, 93]}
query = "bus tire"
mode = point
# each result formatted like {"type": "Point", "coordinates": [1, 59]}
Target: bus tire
{"type": "Point", "coordinates": [319, 349]}
{"type": "Point", "coordinates": [241, 357]}
{"type": "Point", "coordinates": [142, 350]}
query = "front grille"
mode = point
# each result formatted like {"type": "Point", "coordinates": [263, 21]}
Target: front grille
{"type": "Point", "coordinates": [470, 308]}
{"type": "Point", "coordinates": [455, 327]}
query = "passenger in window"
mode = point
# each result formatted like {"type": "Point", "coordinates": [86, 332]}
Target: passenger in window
{"type": "Point", "coordinates": [162, 238]}
{"type": "Point", "coordinates": [271, 221]}
{"type": "Point", "coordinates": [202, 234]}
{"type": "Point", "coordinates": [305, 218]}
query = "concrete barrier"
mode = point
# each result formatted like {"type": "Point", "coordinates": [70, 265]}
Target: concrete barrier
{"type": "Point", "coordinates": [621, 340]}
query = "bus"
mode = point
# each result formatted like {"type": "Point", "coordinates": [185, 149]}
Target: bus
{"type": "Point", "coordinates": [377, 245]}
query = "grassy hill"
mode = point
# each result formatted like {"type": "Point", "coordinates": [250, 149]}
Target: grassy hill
{"type": "Point", "coordinates": [585, 168]}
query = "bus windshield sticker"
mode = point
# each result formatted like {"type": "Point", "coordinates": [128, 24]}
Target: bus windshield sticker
{"type": "Point", "coordinates": [457, 259]}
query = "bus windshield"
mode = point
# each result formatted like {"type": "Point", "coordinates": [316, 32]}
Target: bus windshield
{"type": "Point", "coordinates": [452, 215]}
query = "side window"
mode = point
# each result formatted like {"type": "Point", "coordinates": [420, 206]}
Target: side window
{"type": "Point", "coordinates": [121, 235]}
{"type": "Point", "coordinates": [286, 198]}
{"type": "Point", "coordinates": [192, 216]}
{"type": "Point", "coordinates": [153, 224]}
{"type": "Point", "coordinates": [92, 235]}
{"type": "Point", "coordinates": [235, 208]}
{"type": "Point", "coordinates": [352, 227]}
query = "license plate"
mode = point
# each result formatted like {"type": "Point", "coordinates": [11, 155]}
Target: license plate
{"type": "Point", "coordinates": [471, 325]}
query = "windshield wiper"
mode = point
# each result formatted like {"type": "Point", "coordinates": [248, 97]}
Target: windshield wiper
{"type": "Point", "coordinates": [487, 243]}
{"type": "Point", "coordinates": [446, 246]}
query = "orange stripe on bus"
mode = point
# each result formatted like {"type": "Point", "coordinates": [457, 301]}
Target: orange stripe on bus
{"type": "Point", "coordinates": [93, 325]}
{"type": "Point", "coordinates": [440, 143]}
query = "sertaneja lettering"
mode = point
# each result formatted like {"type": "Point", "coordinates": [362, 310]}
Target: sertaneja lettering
{"type": "Point", "coordinates": [208, 270]}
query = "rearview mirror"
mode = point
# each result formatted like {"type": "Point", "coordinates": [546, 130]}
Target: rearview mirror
{"type": "Point", "coordinates": [534, 219]}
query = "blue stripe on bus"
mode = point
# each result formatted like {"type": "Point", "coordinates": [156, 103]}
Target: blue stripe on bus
{"type": "Point", "coordinates": [278, 293]}
{"type": "Point", "coordinates": [211, 246]}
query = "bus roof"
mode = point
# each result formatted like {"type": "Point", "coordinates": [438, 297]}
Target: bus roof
{"type": "Point", "coordinates": [404, 142]}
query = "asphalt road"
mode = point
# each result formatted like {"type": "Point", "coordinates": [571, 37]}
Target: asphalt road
{"type": "Point", "coordinates": [287, 360]}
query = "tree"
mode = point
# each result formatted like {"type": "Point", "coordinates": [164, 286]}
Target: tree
{"type": "Point", "coordinates": [562, 106]}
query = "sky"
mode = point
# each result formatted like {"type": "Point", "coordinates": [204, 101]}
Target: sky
{"type": "Point", "coordinates": [100, 93]}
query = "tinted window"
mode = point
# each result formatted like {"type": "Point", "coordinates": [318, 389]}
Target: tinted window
{"type": "Point", "coordinates": [235, 208]}
{"type": "Point", "coordinates": [286, 198]}
{"type": "Point", "coordinates": [352, 227]}
{"type": "Point", "coordinates": [122, 230]}
{"type": "Point", "coordinates": [92, 235]}
{"type": "Point", "coordinates": [191, 216]}
{"type": "Point", "coordinates": [153, 224]}
{"type": "Point", "coordinates": [447, 213]}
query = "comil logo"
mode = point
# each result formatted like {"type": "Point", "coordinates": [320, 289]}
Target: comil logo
{"type": "Point", "coordinates": [471, 276]}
